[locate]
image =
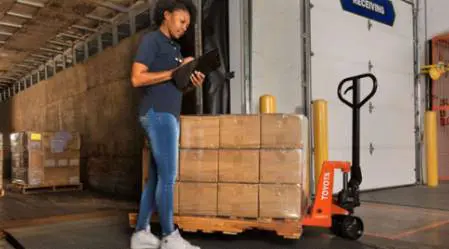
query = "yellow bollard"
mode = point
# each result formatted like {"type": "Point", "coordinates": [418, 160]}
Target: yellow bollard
{"type": "Point", "coordinates": [267, 104]}
{"type": "Point", "coordinates": [320, 134]}
{"type": "Point", "coordinates": [430, 127]}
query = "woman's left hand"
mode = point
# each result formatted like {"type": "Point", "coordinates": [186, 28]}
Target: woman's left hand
{"type": "Point", "coordinates": [197, 78]}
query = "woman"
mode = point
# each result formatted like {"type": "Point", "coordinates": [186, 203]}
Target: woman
{"type": "Point", "coordinates": [157, 57]}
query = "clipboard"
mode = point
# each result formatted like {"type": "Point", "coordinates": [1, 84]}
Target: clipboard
{"type": "Point", "coordinates": [205, 64]}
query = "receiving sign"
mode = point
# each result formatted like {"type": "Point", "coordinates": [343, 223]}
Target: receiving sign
{"type": "Point", "coordinates": [378, 10]}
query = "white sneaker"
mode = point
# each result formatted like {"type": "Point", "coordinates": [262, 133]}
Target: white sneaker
{"type": "Point", "coordinates": [175, 241]}
{"type": "Point", "coordinates": [144, 240]}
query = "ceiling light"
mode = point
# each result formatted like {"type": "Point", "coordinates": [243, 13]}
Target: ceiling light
{"type": "Point", "coordinates": [31, 3]}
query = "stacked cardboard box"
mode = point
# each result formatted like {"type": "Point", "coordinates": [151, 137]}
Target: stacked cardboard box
{"type": "Point", "coordinates": [252, 166]}
{"type": "Point", "coordinates": [45, 158]}
{"type": "Point", "coordinates": [5, 157]}
{"type": "Point", "coordinates": [242, 166]}
{"type": "Point", "coordinates": [198, 165]}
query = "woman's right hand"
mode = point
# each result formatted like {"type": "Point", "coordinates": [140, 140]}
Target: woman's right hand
{"type": "Point", "coordinates": [184, 61]}
{"type": "Point", "coordinates": [187, 60]}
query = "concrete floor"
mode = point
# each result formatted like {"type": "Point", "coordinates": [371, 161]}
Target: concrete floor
{"type": "Point", "coordinates": [97, 233]}
{"type": "Point", "coordinates": [85, 220]}
{"type": "Point", "coordinates": [414, 196]}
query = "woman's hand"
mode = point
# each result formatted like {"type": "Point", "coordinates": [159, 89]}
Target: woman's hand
{"type": "Point", "coordinates": [187, 60]}
{"type": "Point", "coordinates": [197, 78]}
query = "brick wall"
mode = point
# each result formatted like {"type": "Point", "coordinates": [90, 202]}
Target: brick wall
{"type": "Point", "coordinates": [96, 99]}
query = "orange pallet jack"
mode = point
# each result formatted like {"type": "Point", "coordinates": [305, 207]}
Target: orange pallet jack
{"type": "Point", "coordinates": [336, 212]}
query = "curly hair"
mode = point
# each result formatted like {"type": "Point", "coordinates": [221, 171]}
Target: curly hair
{"type": "Point", "coordinates": [172, 5]}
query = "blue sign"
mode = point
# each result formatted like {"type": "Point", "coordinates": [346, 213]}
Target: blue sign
{"type": "Point", "coordinates": [378, 10]}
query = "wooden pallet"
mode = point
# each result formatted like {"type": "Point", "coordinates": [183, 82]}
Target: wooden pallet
{"type": "Point", "coordinates": [289, 229]}
{"type": "Point", "coordinates": [27, 189]}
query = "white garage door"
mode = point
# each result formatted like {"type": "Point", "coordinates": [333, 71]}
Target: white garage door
{"type": "Point", "coordinates": [343, 46]}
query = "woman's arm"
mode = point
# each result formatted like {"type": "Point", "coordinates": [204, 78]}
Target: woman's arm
{"type": "Point", "coordinates": [140, 76]}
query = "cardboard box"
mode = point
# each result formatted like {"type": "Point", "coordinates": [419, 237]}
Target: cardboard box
{"type": "Point", "coordinates": [281, 131]}
{"type": "Point", "coordinates": [281, 166]}
{"type": "Point", "coordinates": [198, 198]}
{"type": "Point", "coordinates": [176, 199]}
{"type": "Point", "coordinates": [240, 131]}
{"type": "Point", "coordinates": [238, 200]}
{"type": "Point", "coordinates": [280, 201]}
{"type": "Point", "coordinates": [27, 158]}
{"type": "Point", "coordinates": [61, 168]}
{"type": "Point", "coordinates": [198, 165]}
{"type": "Point", "coordinates": [63, 159]}
{"type": "Point", "coordinates": [238, 166]}
{"type": "Point", "coordinates": [47, 158]}
{"type": "Point", "coordinates": [61, 176]}
{"type": "Point", "coordinates": [59, 142]}
{"type": "Point", "coordinates": [199, 132]}
{"type": "Point", "coordinates": [305, 183]}
{"type": "Point", "coordinates": [305, 200]}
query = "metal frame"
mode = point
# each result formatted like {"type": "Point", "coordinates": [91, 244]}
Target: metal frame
{"type": "Point", "coordinates": [199, 52]}
{"type": "Point", "coordinates": [240, 55]}
{"type": "Point", "coordinates": [419, 111]}
{"type": "Point", "coordinates": [67, 56]}
{"type": "Point", "coordinates": [419, 118]}
{"type": "Point", "coordinates": [307, 83]}
{"type": "Point", "coordinates": [247, 58]}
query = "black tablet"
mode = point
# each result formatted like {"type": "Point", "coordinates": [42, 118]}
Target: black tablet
{"type": "Point", "coordinates": [205, 64]}
{"type": "Point", "coordinates": [208, 62]}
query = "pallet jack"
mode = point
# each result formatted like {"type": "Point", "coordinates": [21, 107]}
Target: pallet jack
{"type": "Point", "coordinates": [336, 212]}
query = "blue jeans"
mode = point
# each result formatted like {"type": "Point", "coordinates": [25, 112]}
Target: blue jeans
{"type": "Point", "coordinates": [162, 130]}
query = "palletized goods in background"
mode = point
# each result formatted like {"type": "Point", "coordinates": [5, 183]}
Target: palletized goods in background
{"type": "Point", "coordinates": [43, 161]}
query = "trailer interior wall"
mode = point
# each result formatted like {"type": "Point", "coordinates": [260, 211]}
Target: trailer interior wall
{"type": "Point", "coordinates": [96, 99]}
{"type": "Point", "coordinates": [275, 46]}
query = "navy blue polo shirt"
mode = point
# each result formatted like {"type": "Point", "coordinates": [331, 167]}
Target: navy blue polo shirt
{"type": "Point", "coordinates": [160, 53]}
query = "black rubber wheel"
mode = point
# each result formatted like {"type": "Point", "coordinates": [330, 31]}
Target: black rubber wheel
{"type": "Point", "coordinates": [336, 224]}
{"type": "Point", "coordinates": [351, 227]}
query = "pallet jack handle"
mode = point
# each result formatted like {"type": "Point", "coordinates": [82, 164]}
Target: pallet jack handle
{"type": "Point", "coordinates": [355, 105]}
